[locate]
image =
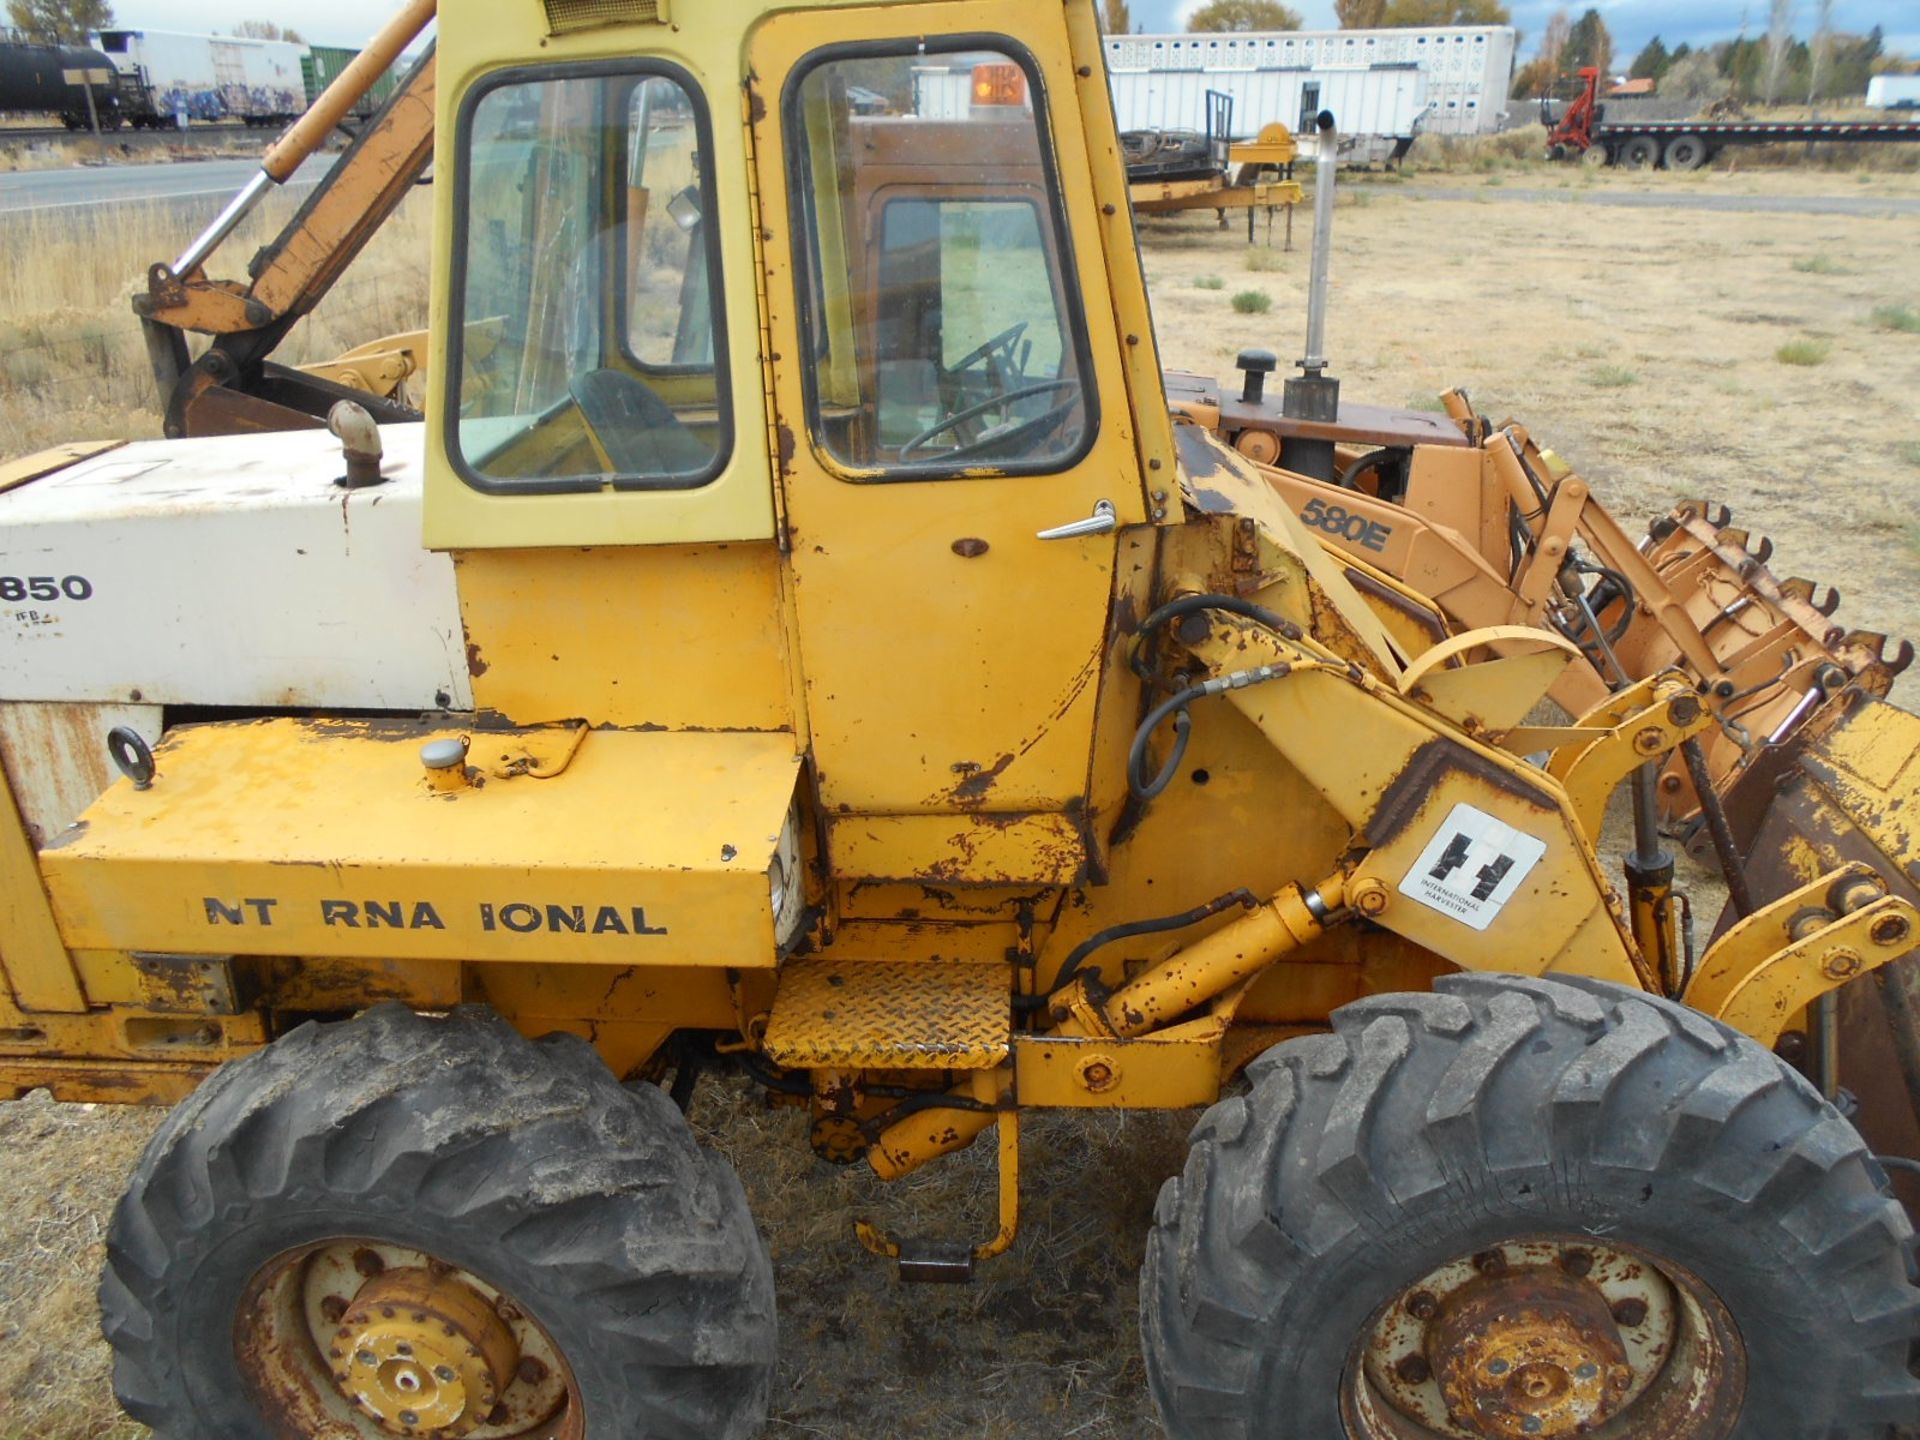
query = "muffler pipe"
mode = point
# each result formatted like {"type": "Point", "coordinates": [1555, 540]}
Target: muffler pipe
{"type": "Point", "coordinates": [1313, 395]}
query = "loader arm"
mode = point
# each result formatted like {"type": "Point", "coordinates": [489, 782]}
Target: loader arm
{"type": "Point", "coordinates": [233, 387]}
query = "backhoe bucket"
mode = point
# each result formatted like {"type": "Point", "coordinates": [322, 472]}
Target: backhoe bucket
{"type": "Point", "coordinates": [1845, 788]}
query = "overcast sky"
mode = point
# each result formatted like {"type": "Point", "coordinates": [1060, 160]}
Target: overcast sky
{"type": "Point", "coordinates": [350, 22]}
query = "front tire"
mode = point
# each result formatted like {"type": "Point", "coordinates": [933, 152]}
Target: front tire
{"type": "Point", "coordinates": [399, 1225]}
{"type": "Point", "coordinates": [1432, 1223]}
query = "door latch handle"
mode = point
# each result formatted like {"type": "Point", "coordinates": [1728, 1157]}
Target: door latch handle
{"type": "Point", "coordinates": [1104, 520]}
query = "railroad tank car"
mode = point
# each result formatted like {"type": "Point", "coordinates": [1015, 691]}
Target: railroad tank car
{"type": "Point", "coordinates": [33, 82]}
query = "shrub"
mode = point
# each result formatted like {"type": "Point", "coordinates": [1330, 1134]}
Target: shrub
{"type": "Point", "coordinates": [1253, 302]}
{"type": "Point", "coordinates": [1611, 377]}
{"type": "Point", "coordinates": [1817, 265]}
{"type": "Point", "coordinates": [1209, 282]}
{"type": "Point", "coordinates": [1903, 318]}
{"type": "Point", "coordinates": [1802, 352]}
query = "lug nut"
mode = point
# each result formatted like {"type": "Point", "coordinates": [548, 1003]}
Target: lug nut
{"type": "Point", "coordinates": [1490, 1262]}
{"type": "Point", "coordinates": [368, 1263]}
{"type": "Point", "coordinates": [1423, 1306]}
{"type": "Point", "coordinates": [1413, 1369]}
{"type": "Point", "coordinates": [332, 1307]}
{"type": "Point", "coordinates": [531, 1370]}
{"type": "Point", "coordinates": [1630, 1312]}
{"type": "Point", "coordinates": [443, 1373]}
{"type": "Point", "coordinates": [1576, 1263]}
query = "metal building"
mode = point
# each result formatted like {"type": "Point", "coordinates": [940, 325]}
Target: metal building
{"type": "Point", "coordinates": [1466, 69]}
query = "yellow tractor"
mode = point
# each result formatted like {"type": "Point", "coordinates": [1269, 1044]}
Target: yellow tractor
{"type": "Point", "coordinates": [799, 637]}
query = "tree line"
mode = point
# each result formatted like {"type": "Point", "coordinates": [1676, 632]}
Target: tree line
{"type": "Point", "coordinates": [1771, 68]}
{"type": "Point", "coordinates": [69, 22]}
{"type": "Point", "coordinates": [1239, 16]}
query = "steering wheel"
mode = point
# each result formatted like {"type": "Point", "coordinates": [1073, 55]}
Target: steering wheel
{"type": "Point", "coordinates": [995, 439]}
{"type": "Point", "coordinates": [1005, 340]}
{"type": "Point", "coordinates": [634, 428]}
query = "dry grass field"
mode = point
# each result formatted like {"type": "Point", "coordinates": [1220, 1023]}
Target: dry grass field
{"type": "Point", "coordinates": [1768, 360]}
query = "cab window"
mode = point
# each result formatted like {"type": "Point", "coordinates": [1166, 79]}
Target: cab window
{"type": "Point", "coordinates": [936, 277]}
{"type": "Point", "coordinates": [589, 346]}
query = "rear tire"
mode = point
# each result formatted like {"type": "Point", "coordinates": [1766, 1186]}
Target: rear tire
{"type": "Point", "coordinates": [581, 1207]}
{"type": "Point", "coordinates": [1685, 152]}
{"type": "Point", "coordinates": [1642, 152]}
{"type": "Point", "coordinates": [1432, 1129]}
{"type": "Point", "coordinates": [1596, 157]}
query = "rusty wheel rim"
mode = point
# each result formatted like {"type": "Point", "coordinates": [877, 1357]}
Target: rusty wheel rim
{"type": "Point", "coordinates": [1544, 1339]}
{"type": "Point", "coordinates": [362, 1339]}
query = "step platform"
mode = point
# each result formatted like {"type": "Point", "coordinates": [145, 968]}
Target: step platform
{"type": "Point", "coordinates": [846, 1014]}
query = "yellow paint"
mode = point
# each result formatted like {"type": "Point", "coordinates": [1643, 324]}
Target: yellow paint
{"type": "Point", "coordinates": [1770, 966]}
{"type": "Point", "coordinates": [15, 473]}
{"type": "Point", "coordinates": [609, 635]}
{"type": "Point", "coordinates": [38, 969]}
{"type": "Point", "coordinates": [282, 837]}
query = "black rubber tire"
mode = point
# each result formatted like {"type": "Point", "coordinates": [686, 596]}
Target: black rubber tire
{"type": "Point", "coordinates": [1642, 152]}
{"type": "Point", "coordinates": [1684, 152]}
{"type": "Point", "coordinates": [1431, 1126]}
{"type": "Point", "coordinates": [522, 1161]}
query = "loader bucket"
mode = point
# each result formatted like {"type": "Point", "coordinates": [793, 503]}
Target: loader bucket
{"type": "Point", "coordinates": [1846, 787]}
{"type": "Point", "coordinates": [1766, 651]}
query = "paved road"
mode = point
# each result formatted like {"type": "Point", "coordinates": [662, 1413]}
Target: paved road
{"type": "Point", "coordinates": [1683, 200]}
{"type": "Point", "coordinates": [204, 182]}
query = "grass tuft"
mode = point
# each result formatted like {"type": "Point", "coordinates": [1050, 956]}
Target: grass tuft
{"type": "Point", "coordinates": [1262, 261]}
{"type": "Point", "coordinates": [1802, 352]}
{"type": "Point", "coordinates": [1818, 265]}
{"type": "Point", "coordinates": [1611, 377]}
{"type": "Point", "coordinates": [1903, 318]}
{"type": "Point", "coordinates": [1909, 451]}
{"type": "Point", "coordinates": [1253, 302]}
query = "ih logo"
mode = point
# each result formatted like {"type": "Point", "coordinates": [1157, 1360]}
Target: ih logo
{"type": "Point", "coordinates": [1472, 867]}
{"type": "Point", "coordinates": [1486, 879]}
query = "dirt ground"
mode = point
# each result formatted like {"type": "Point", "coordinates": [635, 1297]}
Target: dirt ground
{"type": "Point", "coordinates": [1643, 345]}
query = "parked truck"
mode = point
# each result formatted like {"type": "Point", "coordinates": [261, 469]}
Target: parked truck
{"type": "Point", "coordinates": [1588, 133]}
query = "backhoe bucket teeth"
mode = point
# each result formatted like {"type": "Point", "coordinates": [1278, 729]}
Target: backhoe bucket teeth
{"type": "Point", "coordinates": [1847, 788]}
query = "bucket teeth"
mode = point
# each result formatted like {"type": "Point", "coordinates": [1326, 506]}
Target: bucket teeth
{"type": "Point", "coordinates": [1902, 658]}
{"type": "Point", "coordinates": [1797, 587]}
{"type": "Point", "coordinates": [1761, 548]}
{"type": "Point", "coordinates": [1829, 604]}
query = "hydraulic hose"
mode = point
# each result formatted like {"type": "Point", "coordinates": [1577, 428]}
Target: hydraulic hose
{"type": "Point", "coordinates": [1176, 609]}
{"type": "Point", "coordinates": [1176, 706]}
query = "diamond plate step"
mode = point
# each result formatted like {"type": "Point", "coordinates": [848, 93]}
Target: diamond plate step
{"type": "Point", "coordinates": [890, 1015]}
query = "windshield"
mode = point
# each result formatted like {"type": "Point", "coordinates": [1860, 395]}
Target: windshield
{"type": "Point", "coordinates": [587, 328]}
{"type": "Point", "coordinates": [952, 342]}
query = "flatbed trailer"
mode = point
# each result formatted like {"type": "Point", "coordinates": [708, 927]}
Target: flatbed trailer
{"type": "Point", "coordinates": [1586, 134]}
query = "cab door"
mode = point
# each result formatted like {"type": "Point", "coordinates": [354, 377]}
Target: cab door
{"type": "Point", "coordinates": [949, 393]}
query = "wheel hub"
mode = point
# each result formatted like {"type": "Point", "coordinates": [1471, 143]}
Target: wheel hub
{"type": "Point", "coordinates": [1545, 1339]}
{"type": "Point", "coordinates": [1531, 1353]}
{"type": "Point", "coordinates": [357, 1339]}
{"type": "Point", "coordinates": [420, 1352]}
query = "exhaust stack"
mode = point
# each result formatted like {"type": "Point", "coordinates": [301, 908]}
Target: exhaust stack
{"type": "Point", "coordinates": [1313, 395]}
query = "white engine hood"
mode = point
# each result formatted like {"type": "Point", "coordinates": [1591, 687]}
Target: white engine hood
{"type": "Point", "coordinates": [228, 572]}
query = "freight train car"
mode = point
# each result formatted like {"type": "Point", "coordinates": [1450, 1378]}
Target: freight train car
{"type": "Point", "coordinates": [39, 80]}
{"type": "Point", "coordinates": [322, 65]}
{"type": "Point", "coordinates": [166, 77]}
